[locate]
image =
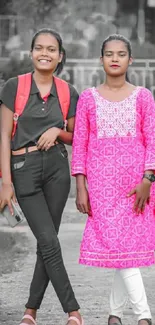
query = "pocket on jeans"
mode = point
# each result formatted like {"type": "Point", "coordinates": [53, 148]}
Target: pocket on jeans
{"type": "Point", "coordinates": [18, 162]}
{"type": "Point", "coordinates": [22, 176]}
{"type": "Point", "coordinates": [62, 151]}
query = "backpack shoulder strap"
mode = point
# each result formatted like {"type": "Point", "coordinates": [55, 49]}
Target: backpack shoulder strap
{"type": "Point", "coordinates": [22, 95]}
{"type": "Point", "coordinates": [63, 92]}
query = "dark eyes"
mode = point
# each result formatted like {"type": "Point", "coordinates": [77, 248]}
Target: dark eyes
{"type": "Point", "coordinates": [39, 48]}
{"type": "Point", "coordinates": [52, 50]}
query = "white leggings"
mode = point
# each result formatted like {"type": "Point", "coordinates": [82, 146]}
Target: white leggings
{"type": "Point", "coordinates": [128, 283]}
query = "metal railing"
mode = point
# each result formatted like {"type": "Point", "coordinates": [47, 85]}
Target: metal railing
{"type": "Point", "coordinates": [86, 73]}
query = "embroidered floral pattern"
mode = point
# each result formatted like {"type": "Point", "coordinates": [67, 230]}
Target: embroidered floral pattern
{"type": "Point", "coordinates": [115, 118]}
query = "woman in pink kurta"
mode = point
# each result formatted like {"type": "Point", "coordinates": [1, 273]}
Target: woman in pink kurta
{"type": "Point", "coordinates": [113, 149]}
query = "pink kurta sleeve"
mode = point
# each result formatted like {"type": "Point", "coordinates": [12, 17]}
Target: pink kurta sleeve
{"type": "Point", "coordinates": [148, 127]}
{"type": "Point", "coordinates": [81, 134]}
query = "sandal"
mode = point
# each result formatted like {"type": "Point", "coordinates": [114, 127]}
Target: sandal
{"type": "Point", "coordinates": [75, 320]}
{"type": "Point", "coordinates": [119, 320]}
{"type": "Point", "coordinates": [28, 317]}
{"type": "Point", "coordinates": [149, 321]}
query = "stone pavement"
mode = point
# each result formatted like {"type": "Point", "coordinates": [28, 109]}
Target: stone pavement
{"type": "Point", "coordinates": [91, 285]}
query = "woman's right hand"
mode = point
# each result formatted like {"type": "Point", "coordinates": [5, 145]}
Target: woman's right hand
{"type": "Point", "coordinates": [6, 195]}
{"type": "Point", "coordinates": [82, 201]}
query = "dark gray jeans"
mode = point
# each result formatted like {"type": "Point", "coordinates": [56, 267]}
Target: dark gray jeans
{"type": "Point", "coordinates": [42, 183]}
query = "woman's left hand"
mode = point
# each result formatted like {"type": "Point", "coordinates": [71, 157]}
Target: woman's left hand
{"type": "Point", "coordinates": [142, 192]}
{"type": "Point", "coordinates": [48, 138]}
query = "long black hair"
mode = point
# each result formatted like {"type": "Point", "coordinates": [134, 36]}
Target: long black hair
{"type": "Point", "coordinates": [60, 65]}
{"type": "Point", "coordinates": [118, 37]}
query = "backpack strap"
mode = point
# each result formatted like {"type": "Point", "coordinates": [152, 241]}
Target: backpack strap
{"type": "Point", "coordinates": [63, 92]}
{"type": "Point", "coordinates": [22, 95]}
{"type": "Point", "coordinates": [23, 91]}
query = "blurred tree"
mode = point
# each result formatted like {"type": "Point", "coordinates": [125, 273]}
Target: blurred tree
{"type": "Point", "coordinates": [36, 12]}
{"type": "Point", "coordinates": [82, 27]}
{"type": "Point", "coordinates": [5, 7]}
{"type": "Point", "coordinates": [15, 67]}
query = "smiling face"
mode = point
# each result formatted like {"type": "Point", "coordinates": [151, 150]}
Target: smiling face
{"type": "Point", "coordinates": [116, 58]}
{"type": "Point", "coordinates": [46, 53]}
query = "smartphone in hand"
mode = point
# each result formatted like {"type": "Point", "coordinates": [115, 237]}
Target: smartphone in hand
{"type": "Point", "coordinates": [17, 216]}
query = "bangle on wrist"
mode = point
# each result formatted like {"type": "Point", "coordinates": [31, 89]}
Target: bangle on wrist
{"type": "Point", "coordinates": [150, 177]}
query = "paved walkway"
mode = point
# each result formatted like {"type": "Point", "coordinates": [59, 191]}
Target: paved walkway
{"type": "Point", "coordinates": [91, 285]}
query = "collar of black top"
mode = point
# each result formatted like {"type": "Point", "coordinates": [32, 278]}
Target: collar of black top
{"type": "Point", "coordinates": [35, 90]}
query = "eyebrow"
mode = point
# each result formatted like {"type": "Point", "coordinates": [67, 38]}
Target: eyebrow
{"type": "Point", "coordinates": [121, 51]}
{"type": "Point", "coordinates": [47, 45]}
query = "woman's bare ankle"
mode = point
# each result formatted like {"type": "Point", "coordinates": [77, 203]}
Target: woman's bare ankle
{"type": "Point", "coordinates": [75, 314]}
{"type": "Point", "coordinates": [31, 312]}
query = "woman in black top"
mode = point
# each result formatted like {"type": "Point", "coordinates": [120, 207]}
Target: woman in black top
{"type": "Point", "coordinates": [36, 161]}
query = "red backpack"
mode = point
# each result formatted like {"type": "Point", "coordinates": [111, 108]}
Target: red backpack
{"type": "Point", "coordinates": [23, 92]}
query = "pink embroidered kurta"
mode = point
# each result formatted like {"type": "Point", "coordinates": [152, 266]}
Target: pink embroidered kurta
{"type": "Point", "coordinates": [114, 143]}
